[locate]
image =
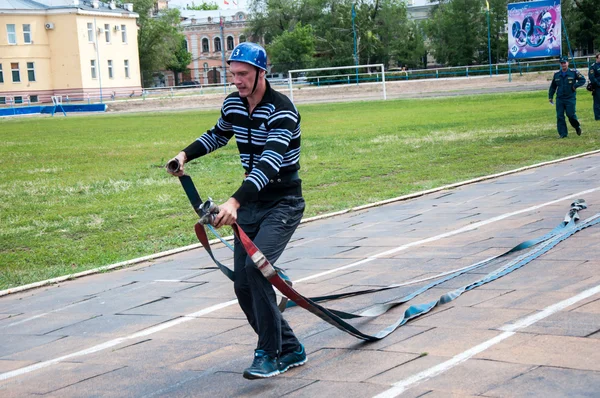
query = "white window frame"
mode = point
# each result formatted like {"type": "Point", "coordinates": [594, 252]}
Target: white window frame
{"type": "Point", "coordinates": [1, 75]}
{"type": "Point", "coordinates": [107, 32]}
{"type": "Point", "coordinates": [124, 33]}
{"type": "Point", "coordinates": [218, 48]}
{"type": "Point", "coordinates": [110, 69]}
{"type": "Point", "coordinates": [13, 70]}
{"type": "Point", "coordinates": [27, 34]}
{"type": "Point", "coordinates": [93, 69]}
{"type": "Point", "coordinates": [30, 69]}
{"type": "Point", "coordinates": [126, 66]}
{"type": "Point", "coordinates": [11, 36]}
{"type": "Point", "coordinates": [90, 31]}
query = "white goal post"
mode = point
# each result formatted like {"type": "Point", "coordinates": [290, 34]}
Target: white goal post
{"type": "Point", "coordinates": [353, 75]}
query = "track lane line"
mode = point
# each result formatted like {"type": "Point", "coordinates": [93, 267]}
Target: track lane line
{"type": "Point", "coordinates": [508, 330]}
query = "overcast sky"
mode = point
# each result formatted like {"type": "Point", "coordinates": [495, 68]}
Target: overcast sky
{"type": "Point", "coordinates": [221, 3]}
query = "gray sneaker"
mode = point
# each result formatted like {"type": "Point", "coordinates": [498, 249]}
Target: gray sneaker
{"type": "Point", "coordinates": [292, 359]}
{"type": "Point", "coordinates": [262, 367]}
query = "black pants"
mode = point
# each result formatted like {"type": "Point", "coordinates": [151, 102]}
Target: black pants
{"type": "Point", "coordinates": [565, 106]}
{"type": "Point", "coordinates": [270, 225]}
{"type": "Point", "coordinates": [597, 103]}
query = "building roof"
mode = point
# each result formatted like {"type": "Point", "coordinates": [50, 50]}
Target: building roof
{"type": "Point", "coordinates": [192, 17]}
{"type": "Point", "coordinates": [46, 5]}
{"type": "Point", "coordinates": [21, 5]}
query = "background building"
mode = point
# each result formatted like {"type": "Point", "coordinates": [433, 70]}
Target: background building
{"type": "Point", "coordinates": [69, 48]}
{"type": "Point", "coordinates": [202, 30]}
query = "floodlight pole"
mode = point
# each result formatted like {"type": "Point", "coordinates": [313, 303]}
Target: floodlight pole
{"type": "Point", "coordinates": [568, 43]}
{"type": "Point", "coordinates": [489, 39]}
{"type": "Point", "coordinates": [355, 52]}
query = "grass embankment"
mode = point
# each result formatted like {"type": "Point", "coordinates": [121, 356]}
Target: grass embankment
{"type": "Point", "coordinates": [81, 192]}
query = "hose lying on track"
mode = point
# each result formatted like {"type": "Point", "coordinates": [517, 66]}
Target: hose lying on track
{"type": "Point", "coordinates": [277, 278]}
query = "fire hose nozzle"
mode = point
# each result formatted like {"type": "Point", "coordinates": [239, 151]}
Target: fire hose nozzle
{"type": "Point", "coordinates": [173, 166]}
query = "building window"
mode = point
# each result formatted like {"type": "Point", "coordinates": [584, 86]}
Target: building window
{"type": "Point", "coordinates": [18, 99]}
{"type": "Point", "coordinates": [27, 33]}
{"type": "Point", "coordinates": [110, 71]}
{"type": "Point", "coordinates": [90, 27]}
{"type": "Point", "coordinates": [2, 100]}
{"type": "Point", "coordinates": [205, 45]}
{"type": "Point", "coordinates": [16, 75]}
{"type": "Point", "coordinates": [107, 32]}
{"type": "Point", "coordinates": [30, 72]}
{"type": "Point", "coordinates": [126, 62]}
{"type": "Point", "coordinates": [229, 43]}
{"type": "Point", "coordinates": [242, 38]}
{"type": "Point", "coordinates": [124, 33]}
{"type": "Point", "coordinates": [217, 44]}
{"type": "Point", "coordinates": [33, 98]}
{"type": "Point", "coordinates": [12, 33]}
{"type": "Point", "coordinates": [1, 74]}
{"type": "Point", "coordinates": [93, 68]}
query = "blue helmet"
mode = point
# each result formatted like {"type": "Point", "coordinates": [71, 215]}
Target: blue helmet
{"type": "Point", "coordinates": [249, 53]}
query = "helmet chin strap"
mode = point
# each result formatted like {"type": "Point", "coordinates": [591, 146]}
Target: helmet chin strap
{"type": "Point", "coordinates": [255, 80]}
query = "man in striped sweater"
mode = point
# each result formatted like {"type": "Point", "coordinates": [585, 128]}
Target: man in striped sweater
{"type": "Point", "coordinates": [268, 205]}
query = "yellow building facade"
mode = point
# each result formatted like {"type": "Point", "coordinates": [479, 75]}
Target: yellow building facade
{"type": "Point", "coordinates": [80, 51]}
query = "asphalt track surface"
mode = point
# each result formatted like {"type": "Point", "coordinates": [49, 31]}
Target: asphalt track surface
{"type": "Point", "coordinates": [172, 327]}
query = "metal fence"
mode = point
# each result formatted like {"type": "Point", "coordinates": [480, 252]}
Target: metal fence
{"type": "Point", "coordinates": [199, 88]}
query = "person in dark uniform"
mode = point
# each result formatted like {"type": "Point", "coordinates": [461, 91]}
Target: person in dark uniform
{"type": "Point", "coordinates": [594, 76]}
{"type": "Point", "coordinates": [268, 206]}
{"type": "Point", "coordinates": [564, 83]}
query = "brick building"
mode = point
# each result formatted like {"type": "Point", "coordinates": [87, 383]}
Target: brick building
{"type": "Point", "coordinates": [202, 30]}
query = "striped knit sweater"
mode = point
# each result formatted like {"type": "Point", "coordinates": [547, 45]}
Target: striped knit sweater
{"type": "Point", "coordinates": [268, 141]}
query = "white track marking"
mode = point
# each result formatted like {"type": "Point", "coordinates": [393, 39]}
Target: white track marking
{"type": "Point", "coordinates": [469, 227]}
{"type": "Point", "coordinates": [117, 341]}
{"type": "Point", "coordinates": [44, 314]}
{"type": "Point", "coordinates": [189, 317]}
{"type": "Point", "coordinates": [509, 330]}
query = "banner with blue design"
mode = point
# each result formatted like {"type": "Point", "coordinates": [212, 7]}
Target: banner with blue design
{"type": "Point", "coordinates": [534, 29]}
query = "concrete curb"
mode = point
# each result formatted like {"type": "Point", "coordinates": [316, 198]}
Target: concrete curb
{"type": "Point", "coordinates": [311, 219]}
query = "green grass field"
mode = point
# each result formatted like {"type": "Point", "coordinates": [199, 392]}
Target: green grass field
{"type": "Point", "coordinates": [85, 191]}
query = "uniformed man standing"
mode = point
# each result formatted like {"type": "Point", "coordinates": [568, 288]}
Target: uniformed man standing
{"type": "Point", "coordinates": [564, 83]}
{"type": "Point", "coordinates": [594, 75]}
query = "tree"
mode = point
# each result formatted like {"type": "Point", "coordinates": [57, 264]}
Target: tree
{"type": "Point", "coordinates": [158, 38]}
{"type": "Point", "coordinates": [457, 30]}
{"type": "Point", "coordinates": [583, 27]}
{"type": "Point", "coordinates": [180, 60]}
{"type": "Point", "coordinates": [412, 52]}
{"type": "Point", "coordinates": [292, 49]}
{"type": "Point", "coordinates": [202, 6]}
{"type": "Point", "coordinates": [381, 26]}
